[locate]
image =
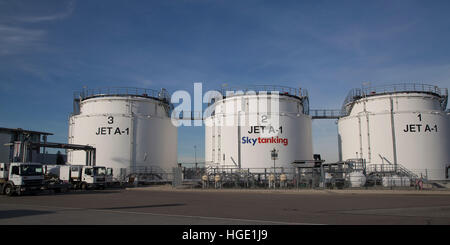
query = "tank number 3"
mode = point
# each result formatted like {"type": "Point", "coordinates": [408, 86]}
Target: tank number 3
{"type": "Point", "coordinates": [112, 130]}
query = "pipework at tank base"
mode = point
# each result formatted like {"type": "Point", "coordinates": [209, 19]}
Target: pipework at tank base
{"type": "Point", "coordinates": [311, 174]}
{"type": "Point", "coordinates": [351, 174]}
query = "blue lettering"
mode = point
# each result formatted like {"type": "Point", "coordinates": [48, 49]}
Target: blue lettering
{"type": "Point", "coordinates": [247, 140]}
{"type": "Point", "coordinates": [244, 141]}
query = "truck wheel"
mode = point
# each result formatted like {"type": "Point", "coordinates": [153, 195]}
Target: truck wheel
{"type": "Point", "coordinates": [83, 186]}
{"type": "Point", "coordinates": [9, 190]}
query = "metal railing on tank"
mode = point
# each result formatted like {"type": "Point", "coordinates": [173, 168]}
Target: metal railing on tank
{"type": "Point", "coordinates": [358, 93]}
{"type": "Point", "coordinates": [122, 91]}
{"type": "Point", "coordinates": [282, 90]}
{"type": "Point", "coordinates": [86, 93]}
{"type": "Point", "coordinates": [299, 93]}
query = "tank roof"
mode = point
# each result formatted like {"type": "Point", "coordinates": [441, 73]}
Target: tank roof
{"type": "Point", "coordinates": [282, 90]}
{"type": "Point", "coordinates": [298, 93]}
{"type": "Point", "coordinates": [85, 93]}
{"type": "Point", "coordinates": [359, 93]}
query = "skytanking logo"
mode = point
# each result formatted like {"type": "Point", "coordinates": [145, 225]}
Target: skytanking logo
{"type": "Point", "coordinates": [259, 140]}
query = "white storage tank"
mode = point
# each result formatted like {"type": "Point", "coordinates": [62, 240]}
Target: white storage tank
{"type": "Point", "coordinates": [357, 179]}
{"type": "Point", "coordinates": [285, 126]}
{"type": "Point", "coordinates": [403, 126]}
{"type": "Point", "coordinates": [129, 127]}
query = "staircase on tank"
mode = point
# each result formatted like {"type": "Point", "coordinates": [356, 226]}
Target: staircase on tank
{"type": "Point", "coordinates": [390, 170]}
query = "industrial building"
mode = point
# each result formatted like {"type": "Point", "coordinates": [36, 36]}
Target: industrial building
{"type": "Point", "coordinates": [11, 138]}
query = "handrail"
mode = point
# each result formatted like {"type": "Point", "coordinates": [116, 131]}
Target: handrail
{"type": "Point", "coordinates": [358, 93]}
{"type": "Point", "coordinates": [85, 93]}
{"type": "Point", "coordinates": [389, 168]}
{"type": "Point", "coordinates": [357, 164]}
{"type": "Point", "coordinates": [283, 90]}
{"type": "Point", "coordinates": [325, 113]}
{"type": "Point", "coordinates": [122, 91]}
{"type": "Point", "coordinates": [300, 93]}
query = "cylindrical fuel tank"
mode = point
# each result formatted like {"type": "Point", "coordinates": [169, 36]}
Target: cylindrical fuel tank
{"type": "Point", "coordinates": [130, 129]}
{"type": "Point", "coordinates": [272, 120]}
{"type": "Point", "coordinates": [403, 125]}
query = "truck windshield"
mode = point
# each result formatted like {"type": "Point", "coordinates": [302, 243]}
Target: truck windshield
{"type": "Point", "coordinates": [31, 170]}
{"type": "Point", "coordinates": [99, 171]}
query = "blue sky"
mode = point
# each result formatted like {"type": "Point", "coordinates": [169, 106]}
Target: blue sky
{"type": "Point", "coordinates": [49, 49]}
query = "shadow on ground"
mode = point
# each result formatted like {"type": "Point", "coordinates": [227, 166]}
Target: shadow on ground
{"type": "Point", "coordinates": [148, 206]}
{"type": "Point", "coordinates": [7, 214]}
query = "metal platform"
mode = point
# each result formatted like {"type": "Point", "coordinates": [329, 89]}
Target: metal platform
{"type": "Point", "coordinates": [325, 113]}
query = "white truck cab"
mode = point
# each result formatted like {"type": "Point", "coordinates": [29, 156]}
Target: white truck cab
{"type": "Point", "coordinates": [18, 177]}
{"type": "Point", "coordinates": [94, 176]}
{"type": "Point", "coordinates": [83, 177]}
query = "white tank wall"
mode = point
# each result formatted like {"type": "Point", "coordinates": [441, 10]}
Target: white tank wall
{"type": "Point", "coordinates": [367, 133]}
{"type": "Point", "coordinates": [222, 142]}
{"type": "Point", "coordinates": [141, 134]}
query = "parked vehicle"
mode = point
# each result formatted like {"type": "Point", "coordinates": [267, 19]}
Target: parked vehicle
{"type": "Point", "coordinates": [52, 180]}
{"type": "Point", "coordinates": [83, 177]}
{"type": "Point", "coordinates": [18, 178]}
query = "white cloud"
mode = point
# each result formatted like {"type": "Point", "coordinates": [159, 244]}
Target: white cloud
{"type": "Point", "coordinates": [16, 36]}
{"type": "Point", "coordinates": [16, 39]}
{"type": "Point", "coordinates": [50, 17]}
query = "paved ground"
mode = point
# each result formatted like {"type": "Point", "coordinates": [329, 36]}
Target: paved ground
{"type": "Point", "coordinates": [163, 206]}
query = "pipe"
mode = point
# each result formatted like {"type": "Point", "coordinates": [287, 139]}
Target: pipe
{"type": "Point", "coordinates": [394, 144]}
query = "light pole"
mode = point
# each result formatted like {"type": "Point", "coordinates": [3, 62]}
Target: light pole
{"type": "Point", "coordinates": [274, 155]}
{"type": "Point", "coordinates": [195, 156]}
